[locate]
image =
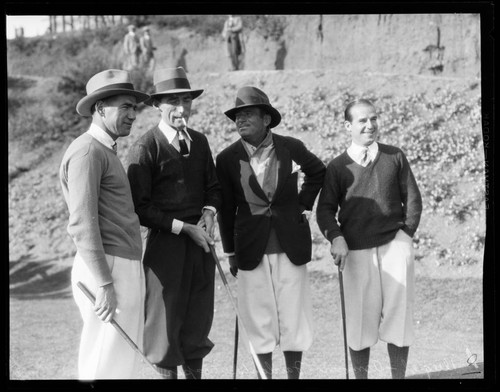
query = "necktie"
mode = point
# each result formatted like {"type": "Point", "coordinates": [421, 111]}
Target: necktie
{"type": "Point", "coordinates": [365, 159]}
{"type": "Point", "coordinates": [114, 147]}
{"type": "Point", "coordinates": [182, 145]}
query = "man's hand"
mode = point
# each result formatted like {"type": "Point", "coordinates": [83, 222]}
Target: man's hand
{"type": "Point", "coordinates": [233, 266]}
{"type": "Point", "coordinates": [339, 251]}
{"type": "Point", "coordinates": [207, 222]}
{"type": "Point", "coordinates": [198, 235]}
{"type": "Point", "coordinates": [105, 302]}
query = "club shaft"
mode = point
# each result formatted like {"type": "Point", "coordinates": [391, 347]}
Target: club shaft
{"type": "Point", "coordinates": [119, 329]}
{"type": "Point", "coordinates": [235, 308]}
{"type": "Point", "coordinates": [342, 304]}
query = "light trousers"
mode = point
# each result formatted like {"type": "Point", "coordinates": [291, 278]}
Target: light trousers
{"type": "Point", "coordinates": [275, 305]}
{"type": "Point", "coordinates": [379, 294]}
{"type": "Point", "coordinates": [104, 353]}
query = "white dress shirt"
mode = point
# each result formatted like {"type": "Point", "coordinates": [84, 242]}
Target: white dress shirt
{"type": "Point", "coordinates": [101, 136]}
{"type": "Point", "coordinates": [356, 152]}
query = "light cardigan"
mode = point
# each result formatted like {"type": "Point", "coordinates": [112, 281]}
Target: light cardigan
{"type": "Point", "coordinates": [102, 219]}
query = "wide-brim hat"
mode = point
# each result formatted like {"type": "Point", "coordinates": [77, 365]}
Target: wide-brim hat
{"type": "Point", "coordinates": [171, 81]}
{"type": "Point", "coordinates": [106, 84]}
{"type": "Point", "coordinates": [251, 96]}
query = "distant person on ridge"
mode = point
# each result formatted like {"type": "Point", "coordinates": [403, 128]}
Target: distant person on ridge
{"type": "Point", "coordinates": [373, 189]}
{"type": "Point", "coordinates": [105, 229]}
{"type": "Point", "coordinates": [147, 50]}
{"type": "Point", "coordinates": [235, 46]}
{"type": "Point", "coordinates": [131, 49]}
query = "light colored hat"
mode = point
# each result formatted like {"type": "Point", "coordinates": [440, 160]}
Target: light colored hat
{"type": "Point", "coordinates": [106, 84]}
{"type": "Point", "coordinates": [251, 96]}
{"type": "Point", "coordinates": [171, 81]}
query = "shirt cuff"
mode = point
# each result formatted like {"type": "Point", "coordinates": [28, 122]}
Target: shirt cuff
{"type": "Point", "coordinates": [209, 208]}
{"type": "Point", "coordinates": [177, 226]}
{"type": "Point", "coordinates": [230, 254]}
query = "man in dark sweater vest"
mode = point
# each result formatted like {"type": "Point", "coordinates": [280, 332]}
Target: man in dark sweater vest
{"type": "Point", "coordinates": [264, 231]}
{"type": "Point", "coordinates": [372, 188]}
{"type": "Point", "coordinates": [176, 195]}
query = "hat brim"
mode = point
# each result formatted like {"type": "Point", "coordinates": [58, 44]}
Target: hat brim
{"type": "Point", "coordinates": [194, 94]}
{"type": "Point", "coordinates": [275, 115]}
{"type": "Point", "coordinates": [85, 104]}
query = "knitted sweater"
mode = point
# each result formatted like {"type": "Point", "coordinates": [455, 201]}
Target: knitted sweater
{"type": "Point", "coordinates": [101, 212]}
{"type": "Point", "coordinates": [375, 201]}
{"type": "Point", "coordinates": [166, 185]}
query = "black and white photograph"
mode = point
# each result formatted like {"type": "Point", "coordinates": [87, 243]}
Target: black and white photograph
{"type": "Point", "coordinates": [299, 192]}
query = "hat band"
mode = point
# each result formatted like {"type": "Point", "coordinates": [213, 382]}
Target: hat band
{"type": "Point", "coordinates": [171, 84]}
{"type": "Point", "coordinates": [121, 86]}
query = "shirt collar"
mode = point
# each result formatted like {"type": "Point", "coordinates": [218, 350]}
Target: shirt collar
{"type": "Point", "coordinates": [267, 142]}
{"type": "Point", "coordinates": [170, 133]}
{"type": "Point", "coordinates": [101, 135]}
{"type": "Point", "coordinates": [355, 150]}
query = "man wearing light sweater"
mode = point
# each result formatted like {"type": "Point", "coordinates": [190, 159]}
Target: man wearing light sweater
{"type": "Point", "coordinates": [374, 192]}
{"type": "Point", "coordinates": [105, 230]}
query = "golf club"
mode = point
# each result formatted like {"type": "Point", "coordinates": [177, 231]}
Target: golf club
{"type": "Point", "coordinates": [235, 357]}
{"type": "Point", "coordinates": [124, 335]}
{"type": "Point", "coordinates": [342, 304]}
{"type": "Point", "coordinates": [235, 307]}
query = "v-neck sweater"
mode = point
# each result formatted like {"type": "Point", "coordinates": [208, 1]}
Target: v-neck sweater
{"type": "Point", "coordinates": [372, 202]}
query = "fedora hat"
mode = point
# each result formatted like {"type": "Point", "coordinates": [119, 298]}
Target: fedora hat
{"type": "Point", "coordinates": [171, 81]}
{"type": "Point", "coordinates": [106, 84]}
{"type": "Point", "coordinates": [251, 96]}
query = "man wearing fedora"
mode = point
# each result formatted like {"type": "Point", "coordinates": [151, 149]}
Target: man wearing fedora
{"type": "Point", "coordinates": [176, 195]}
{"type": "Point", "coordinates": [105, 229]}
{"type": "Point", "coordinates": [264, 229]}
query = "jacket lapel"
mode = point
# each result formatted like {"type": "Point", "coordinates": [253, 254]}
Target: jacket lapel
{"type": "Point", "coordinates": [246, 172]}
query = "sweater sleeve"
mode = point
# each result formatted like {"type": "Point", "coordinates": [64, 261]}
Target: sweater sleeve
{"type": "Point", "coordinates": [328, 205]}
{"type": "Point", "coordinates": [84, 174]}
{"type": "Point", "coordinates": [139, 172]}
{"type": "Point", "coordinates": [411, 198]}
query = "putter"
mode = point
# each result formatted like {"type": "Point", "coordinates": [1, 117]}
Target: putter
{"type": "Point", "coordinates": [235, 357]}
{"type": "Point", "coordinates": [342, 305]}
{"type": "Point", "coordinates": [235, 308]}
{"type": "Point", "coordinates": [123, 334]}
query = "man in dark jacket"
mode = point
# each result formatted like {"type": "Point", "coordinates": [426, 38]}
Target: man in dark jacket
{"type": "Point", "coordinates": [176, 195]}
{"type": "Point", "coordinates": [264, 230]}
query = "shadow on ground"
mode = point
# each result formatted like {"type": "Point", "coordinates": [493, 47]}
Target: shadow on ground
{"type": "Point", "coordinates": [466, 372]}
{"type": "Point", "coordinates": [40, 279]}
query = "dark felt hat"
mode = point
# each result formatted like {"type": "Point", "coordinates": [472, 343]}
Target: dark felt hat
{"type": "Point", "coordinates": [251, 96]}
{"type": "Point", "coordinates": [171, 81]}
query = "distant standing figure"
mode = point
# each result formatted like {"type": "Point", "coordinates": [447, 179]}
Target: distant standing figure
{"type": "Point", "coordinates": [132, 49]}
{"type": "Point", "coordinates": [373, 189]}
{"type": "Point", "coordinates": [105, 230]}
{"type": "Point", "coordinates": [147, 50]}
{"type": "Point", "coordinates": [235, 46]}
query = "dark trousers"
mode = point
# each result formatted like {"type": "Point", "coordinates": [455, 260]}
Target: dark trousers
{"type": "Point", "coordinates": [179, 299]}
